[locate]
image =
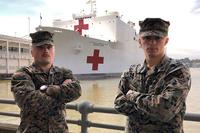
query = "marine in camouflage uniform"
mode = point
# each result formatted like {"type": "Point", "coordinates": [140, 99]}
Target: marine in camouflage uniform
{"type": "Point", "coordinates": [154, 99]}
{"type": "Point", "coordinates": [43, 112]}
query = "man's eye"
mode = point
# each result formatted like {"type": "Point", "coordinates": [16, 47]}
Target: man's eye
{"type": "Point", "coordinates": [152, 38]}
{"type": "Point", "coordinates": [40, 47]}
{"type": "Point", "coordinates": [49, 47]}
{"type": "Point", "coordinates": [157, 38]}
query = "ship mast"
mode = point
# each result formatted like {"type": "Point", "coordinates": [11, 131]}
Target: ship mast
{"type": "Point", "coordinates": [92, 6]}
{"type": "Point", "coordinates": [90, 15]}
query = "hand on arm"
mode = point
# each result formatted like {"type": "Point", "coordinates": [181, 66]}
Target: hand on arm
{"type": "Point", "coordinates": [54, 90]}
{"type": "Point", "coordinates": [68, 91]}
{"type": "Point", "coordinates": [122, 104]}
{"type": "Point", "coordinates": [131, 95]}
{"type": "Point", "coordinates": [126, 83]}
{"type": "Point", "coordinates": [171, 99]}
{"type": "Point", "coordinates": [68, 81]}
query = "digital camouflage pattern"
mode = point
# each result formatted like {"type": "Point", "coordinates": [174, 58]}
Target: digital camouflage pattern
{"type": "Point", "coordinates": [39, 112]}
{"type": "Point", "coordinates": [157, 104]}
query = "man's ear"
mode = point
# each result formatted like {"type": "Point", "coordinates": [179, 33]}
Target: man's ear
{"type": "Point", "coordinates": [166, 41]}
{"type": "Point", "coordinates": [140, 44]}
{"type": "Point", "coordinates": [32, 52]}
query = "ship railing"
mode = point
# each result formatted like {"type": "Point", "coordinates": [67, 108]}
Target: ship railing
{"type": "Point", "coordinates": [85, 108]}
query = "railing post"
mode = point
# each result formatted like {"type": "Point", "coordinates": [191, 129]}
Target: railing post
{"type": "Point", "coordinates": [84, 108]}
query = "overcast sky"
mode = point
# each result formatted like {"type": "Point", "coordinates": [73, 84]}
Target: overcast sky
{"type": "Point", "coordinates": [184, 16]}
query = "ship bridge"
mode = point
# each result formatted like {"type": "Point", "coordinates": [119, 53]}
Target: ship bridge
{"type": "Point", "coordinates": [108, 28]}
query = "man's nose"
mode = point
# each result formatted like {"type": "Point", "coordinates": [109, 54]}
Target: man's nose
{"type": "Point", "coordinates": [45, 49]}
{"type": "Point", "coordinates": [152, 41]}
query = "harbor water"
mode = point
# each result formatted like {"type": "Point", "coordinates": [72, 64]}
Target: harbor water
{"type": "Point", "coordinates": [102, 93]}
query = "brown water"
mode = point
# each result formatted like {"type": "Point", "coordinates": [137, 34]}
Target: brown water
{"type": "Point", "coordinates": [102, 93]}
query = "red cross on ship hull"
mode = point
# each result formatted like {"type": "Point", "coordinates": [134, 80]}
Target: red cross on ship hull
{"type": "Point", "coordinates": [95, 60]}
{"type": "Point", "coordinates": [81, 26]}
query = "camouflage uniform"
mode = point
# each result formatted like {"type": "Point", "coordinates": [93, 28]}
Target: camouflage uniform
{"type": "Point", "coordinates": [158, 102]}
{"type": "Point", "coordinates": [39, 112]}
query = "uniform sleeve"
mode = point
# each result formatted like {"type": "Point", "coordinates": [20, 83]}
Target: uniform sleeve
{"type": "Point", "coordinates": [171, 100]}
{"type": "Point", "coordinates": [27, 97]}
{"type": "Point", "coordinates": [121, 104]}
{"type": "Point", "coordinates": [71, 91]}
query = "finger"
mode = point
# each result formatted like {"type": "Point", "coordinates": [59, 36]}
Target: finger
{"type": "Point", "coordinates": [67, 81]}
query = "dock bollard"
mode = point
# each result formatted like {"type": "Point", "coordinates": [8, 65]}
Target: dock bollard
{"type": "Point", "coordinates": [84, 108]}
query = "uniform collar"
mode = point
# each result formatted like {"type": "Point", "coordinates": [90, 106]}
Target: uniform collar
{"type": "Point", "coordinates": [160, 67]}
{"type": "Point", "coordinates": [38, 69]}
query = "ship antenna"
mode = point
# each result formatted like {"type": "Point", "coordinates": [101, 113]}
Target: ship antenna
{"type": "Point", "coordinates": [29, 25]}
{"type": "Point", "coordinates": [92, 6]}
{"type": "Point", "coordinates": [40, 19]}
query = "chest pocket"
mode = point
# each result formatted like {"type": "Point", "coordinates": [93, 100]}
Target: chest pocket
{"type": "Point", "coordinates": [136, 82]}
{"type": "Point", "coordinates": [55, 78]}
{"type": "Point", "coordinates": [155, 84]}
{"type": "Point", "coordinates": [58, 78]}
{"type": "Point", "coordinates": [40, 79]}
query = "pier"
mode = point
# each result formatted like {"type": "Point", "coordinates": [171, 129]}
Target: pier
{"type": "Point", "coordinates": [84, 108]}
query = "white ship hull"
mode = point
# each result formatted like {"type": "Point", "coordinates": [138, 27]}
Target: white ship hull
{"type": "Point", "coordinates": [73, 51]}
{"type": "Point", "coordinates": [95, 45]}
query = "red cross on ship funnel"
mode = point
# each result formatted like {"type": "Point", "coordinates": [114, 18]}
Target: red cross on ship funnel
{"type": "Point", "coordinates": [95, 59]}
{"type": "Point", "coordinates": [81, 26]}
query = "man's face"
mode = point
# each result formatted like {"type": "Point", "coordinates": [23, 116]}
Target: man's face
{"type": "Point", "coordinates": [153, 46]}
{"type": "Point", "coordinates": [43, 55]}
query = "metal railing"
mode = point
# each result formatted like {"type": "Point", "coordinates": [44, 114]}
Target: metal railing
{"type": "Point", "coordinates": [85, 108]}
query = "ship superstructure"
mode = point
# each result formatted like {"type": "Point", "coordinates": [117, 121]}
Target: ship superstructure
{"type": "Point", "coordinates": [93, 45]}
